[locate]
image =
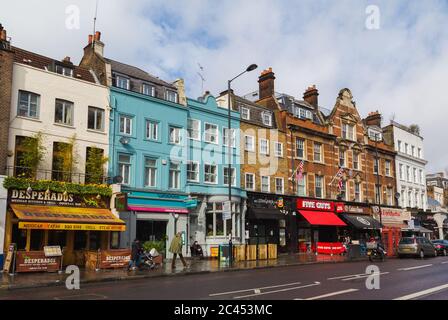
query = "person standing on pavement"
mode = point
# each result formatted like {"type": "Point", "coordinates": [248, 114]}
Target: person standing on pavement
{"type": "Point", "coordinates": [135, 254]}
{"type": "Point", "coordinates": [176, 249]}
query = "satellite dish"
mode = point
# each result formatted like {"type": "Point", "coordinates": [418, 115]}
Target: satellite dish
{"type": "Point", "coordinates": [117, 179]}
{"type": "Point", "coordinates": [124, 140]}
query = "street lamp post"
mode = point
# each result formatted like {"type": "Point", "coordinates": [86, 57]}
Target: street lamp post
{"type": "Point", "coordinates": [229, 144]}
{"type": "Point", "coordinates": [378, 181]}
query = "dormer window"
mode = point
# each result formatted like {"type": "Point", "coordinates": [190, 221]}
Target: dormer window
{"type": "Point", "coordinates": [148, 90]}
{"type": "Point", "coordinates": [122, 82]}
{"type": "Point", "coordinates": [65, 71]}
{"type": "Point", "coordinates": [171, 96]}
{"type": "Point", "coordinates": [245, 113]}
{"type": "Point", "coordinates": [375, 135]}
{"type": "Point", "coordinates": [267, 118]}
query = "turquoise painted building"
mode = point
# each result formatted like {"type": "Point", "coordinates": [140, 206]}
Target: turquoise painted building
{"type": "Point", "coordinates": [207, 173]}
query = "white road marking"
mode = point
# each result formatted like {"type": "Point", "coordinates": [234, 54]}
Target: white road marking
{"type": "Point", "coordinates": [423, 293]}
{"type": "Point", "coordinates": [365, 276]}
{"type": "Point", "coordinates": [416, 267]}
{"type": "Point", "coordinates": [276, 291]}
{"type": "Point", "coordinates": [331, 294]}
{"type": "Point", "coordinates": [253, 289]}
{"type": "Point", "coordinates": [347, 276]}
{"type": "Point", "coordinates": [444, 262]}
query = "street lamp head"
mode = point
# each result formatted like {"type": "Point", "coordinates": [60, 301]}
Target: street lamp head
{"type": "Point", "coordinates": [251, 67]}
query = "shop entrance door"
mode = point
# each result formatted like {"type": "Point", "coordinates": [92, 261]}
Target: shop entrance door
{"type": "Point", "coordinates": [151, 230]}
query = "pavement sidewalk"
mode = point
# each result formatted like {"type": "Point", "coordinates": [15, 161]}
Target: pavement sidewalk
{"type": "Point", "coordinates": [36, 280]}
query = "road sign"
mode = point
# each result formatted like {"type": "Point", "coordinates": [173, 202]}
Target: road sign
{"type": "Point", "coordinates": [227, 210]}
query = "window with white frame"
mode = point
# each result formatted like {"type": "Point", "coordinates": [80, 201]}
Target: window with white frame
{"type": "Point", "coordinates": [249, 142]}
{"type": "Point", "coordinates": [357, 192]}
{"type": "Point", "coordinates": [348, 131]}
{"type": "Point", "coordinates": [301, 186]}
{"type": "Point", "coordinates": [400, 166]}
{"type": "Point", "coordinates": [355, 160]}
{"type": "Point", "coordinates": [344, 190]}
{"type": "Point", "coordinates": [388, 168]}
{"type": "Point", "coordinates": [342, 158]}
{"type": "Point", "coordinates": [216, 226]}
{"type": "Point", "coordinates": [422, 178]}
{"type": "Point", "coordinates": [226, 176]}
{"type": "Point", "coordinates": [419, 154]}
{"type": "Point", "coordinates": [245, 113]}
{"type": "Point", "coordinates": [376, 166]}
{"type": "Point", "coordinates": [150, 172]}
{"type": "Point", "coordinates": [267, 118]}
{"type": "Point", "coordinates": [225, 134]}
{"type": "Point", "coordinates": [417, 199]}
{"type": "Point", "coordinates": [193, 171]}
{"type": "Point", "coordinates": [317, 152]}
{"type": "Point", "coordinates": [194, 129]}
{"type": "Point", "coordinates": [399, 146]}
{"type": "Point", "coordinates": [250, 181]}
{"type": "Point", "coordinates": [28, 105]}
{"type": "Point", "coordinates": [125, 125]}
{"type": "Point", "coordinates": [300, 148]}
{"type": "Point", "coordinates": [211, 133]}
{"type": "Point", "coordinates": [279, 186]}
{"type": "Point", "coordinates": [278, 149]}
{"type": "Point", "coordinates": [124, 168]}
{"type": "Point", "coordinates": [408, 174]}
{"type": "Point", "coordinates": [265, 184]}
{"type": "Point", "coordinates": [148, 90]}
{"type": "Point", "coordinates": [319, 192]}
{"type": "Point", "coordinates": [406, 148]}
{"type": "Point", "coordinates": [390, 196]}
{"type": "Point", "coordinates": [171, 96]}
{"type": "Point", "coordinates": [65, 71]}
{"type": "Point", "coordinates": [174, 175]}
{"type": "Point", "coordinates": [210, 173]}
{"type": "Point", "coordinates": [174, 135]}
{"type": "Point", "coordinates": [152, 130]}
{"type": "Point", "coordinates": [410, 199]}
{"type": "Point", "coordinates": [264, 146]}
{"type": "Point", "coordinates": [63, 112]}
{"type": "Point", "coordinates": [122, 82]}
{"type": "Point", "coordinates": [95, 119]}
{"type": "Point", "coordinates": [413, 151]}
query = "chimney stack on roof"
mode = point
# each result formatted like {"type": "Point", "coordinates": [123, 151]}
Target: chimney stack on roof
{"type": "Point", "coordinates": [266, 83]}
{"type": "Point", "coordinates": [95, 42]}
{"type": "Point", "coordinates": [3, 35]}
{"type": "Point", "coordinates": [310, 95]}
{"type": "Point", "coordinates": [373, 119]}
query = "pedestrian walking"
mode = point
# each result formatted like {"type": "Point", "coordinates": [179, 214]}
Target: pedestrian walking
{"type": "Point", "coordinates": [176, 249]}
{"type": "Point", "coordinates": [135, 254]}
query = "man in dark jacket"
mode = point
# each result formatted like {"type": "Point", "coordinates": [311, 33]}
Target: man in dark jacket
{"type": "Point", "coordinates": [135, 254]}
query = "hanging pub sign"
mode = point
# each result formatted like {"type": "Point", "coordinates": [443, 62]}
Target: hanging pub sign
{"type": "Point", "coordinates": [121, 202]}
{"type": "Point", "coordinates": [318, 205]}
{"type": "Point", "coordinates": [50, 198]}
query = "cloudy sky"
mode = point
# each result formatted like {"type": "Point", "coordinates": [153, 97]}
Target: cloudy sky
{"type": "Point", "coordinates": [400, 68]}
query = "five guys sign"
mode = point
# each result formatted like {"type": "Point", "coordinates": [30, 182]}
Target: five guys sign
{"type": "Point", "coordinates": [318, 205]}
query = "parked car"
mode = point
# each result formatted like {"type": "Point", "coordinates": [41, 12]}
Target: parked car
{"type": "Point", "coordinates": [441, 246]}
{"type": "Point", "coordinates": [416, 246]}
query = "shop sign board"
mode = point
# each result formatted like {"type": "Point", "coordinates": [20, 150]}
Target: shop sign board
{"type": "Point", "coordinates": [227, 210]}
{"type": "Point", "coordinates": [9, 258]}
{"type": "Point", "coordinates": [53, 251]}
{"type": "Point", "coordinates": [114, 258]}
{"type": "Point", "coordinates": [71, 226]}
{"type": "Point", "coordinates": [50, 198]}
{"type": "Point", "coordinates": [318, 205]}
{"type": "Point", "coordinates": [36, 261]}
{"type": "Point", "coordinates": [393, 216]}
{"type": "Point", "coordinates": [330, 247]}
{"type": "Point", "coordinates": [121, 202]}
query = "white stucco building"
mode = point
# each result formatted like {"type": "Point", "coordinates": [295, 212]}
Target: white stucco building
{"type": "Point", "coordinates": [61, 101]}
{"type": "Point", "coordinates": [410, 163]}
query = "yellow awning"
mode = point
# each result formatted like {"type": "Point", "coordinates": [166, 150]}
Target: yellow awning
{"type": "Point", "coordinates": [66, 218]}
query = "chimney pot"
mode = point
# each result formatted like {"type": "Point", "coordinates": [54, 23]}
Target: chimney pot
{"type": "Point", "coordinates": [3, 34]}
{"type": "Point", "coordinates": [266, 83]}
{"type": "Point", "coordinates": [98, 36]}
{"type": "Point", "coordinates": [311, 96]}
{"type": "Point", "coordinates": [66, 59]}
{"type": "Point", "coordinates": [90, 39]}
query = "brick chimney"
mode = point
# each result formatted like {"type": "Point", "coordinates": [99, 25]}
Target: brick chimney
{"type": "Point", "coordinates": [373, 119]}
{"type": "Point", "coordinates": [95, 42]}
{"type": "Point", "coordinates": [6, 69]}
{"type": "Point", "coordinates": [266, 84]}
{"type": "Point", "coordinates": [310, 96]}
{"type": "Point", "coordinates": [67, 60]}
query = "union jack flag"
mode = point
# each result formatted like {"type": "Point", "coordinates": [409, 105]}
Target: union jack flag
{"type": "Point", "coordinates": [339, 175]}
{"type": "Point", "coordinates": [299, 172]}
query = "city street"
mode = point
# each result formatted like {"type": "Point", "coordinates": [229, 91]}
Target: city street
{"type": "Point", "coordinates": [400, 279]}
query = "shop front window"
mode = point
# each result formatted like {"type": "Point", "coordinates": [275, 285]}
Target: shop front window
{"type": "Point", "coordinates": [80, 240]}
{"type": "Point", "coordinates": [19, 237]}
{"type": "Point", "coordinates": [57, 238]}
{"type": "Point", "coordinates": [95, 240]}
{"type": "Point", "coordinates": [216, 226]}
{"type": "Point", "coordinates": [37, 240]}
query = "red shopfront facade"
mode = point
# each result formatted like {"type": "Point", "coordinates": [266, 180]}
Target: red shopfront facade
{"type": "Point", "coordinates": [394, 220]}
{"type": "Point", "coordinates": [318, 227]}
